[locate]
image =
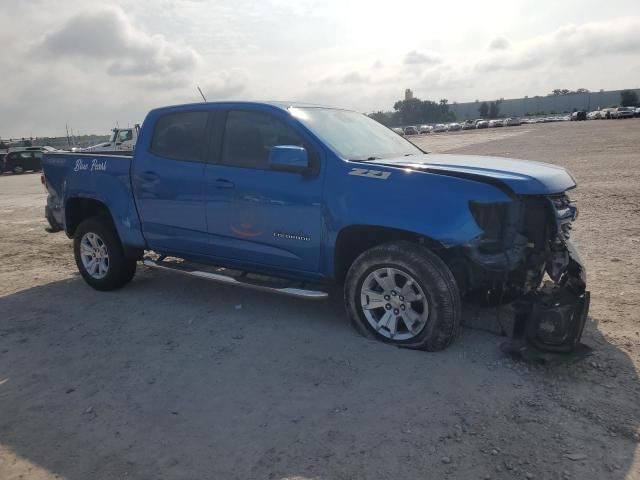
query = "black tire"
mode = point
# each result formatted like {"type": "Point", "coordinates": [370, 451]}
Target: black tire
{"type": "Point", "coordinates": [18, 169]}
{"type": "Point", "coordinates": [435, 280]}
{"type": "Point", "coordinates": [120, 269]}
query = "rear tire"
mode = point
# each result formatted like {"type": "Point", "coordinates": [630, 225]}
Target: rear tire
{"type": "Point", "coordinates": [402, 293]}
{"type": "Point", "coordinates": [99, 255]}
{"type": "Point", "coordinates": [17, 169]}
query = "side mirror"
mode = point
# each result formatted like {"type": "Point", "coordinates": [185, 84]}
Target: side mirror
{"type": "Point", "coordinates": [289, 158]}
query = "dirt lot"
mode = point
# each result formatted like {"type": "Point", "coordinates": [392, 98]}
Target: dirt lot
{"type": "Point", "coordinates": [178, 378]}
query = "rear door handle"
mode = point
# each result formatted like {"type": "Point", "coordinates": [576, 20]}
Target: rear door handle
{"type": "Point", "coordinates": [222, 183]}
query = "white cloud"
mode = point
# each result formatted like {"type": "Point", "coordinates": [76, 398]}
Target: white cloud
{"type": "Point", "coordinates": [569, 45]}
{"type": "Point", "coordinates": [107, 34]}
{"type": "Point", "coordinates": [90, 63]}
{"type": "Point", "coordinates": [348, 78]}
{"type": "Point", "coordinates": [421, 58]}
{"type": "Point", "coordinates": [499, 43]}
{"type": "Point", "coordinates": [224, 86]}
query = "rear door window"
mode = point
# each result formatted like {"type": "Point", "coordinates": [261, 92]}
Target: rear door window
{"type": "Point", "coordinates": [180, 136]}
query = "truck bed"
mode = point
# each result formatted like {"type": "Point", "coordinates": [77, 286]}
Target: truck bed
{"type": "Point", "coordinates": [91, 176]}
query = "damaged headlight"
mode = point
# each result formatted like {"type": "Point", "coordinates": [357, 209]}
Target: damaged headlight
{"type": "Point", "coordinates": [565, 213]}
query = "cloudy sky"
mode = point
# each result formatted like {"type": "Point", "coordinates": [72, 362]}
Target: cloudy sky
{"type": "Point", "coordinates": [94, 63]}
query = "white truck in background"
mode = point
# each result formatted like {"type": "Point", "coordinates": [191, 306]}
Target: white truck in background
{"type": "Point", "coordinates": [121, 140]}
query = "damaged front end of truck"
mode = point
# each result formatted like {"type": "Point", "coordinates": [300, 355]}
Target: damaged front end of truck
{"type": "Point", "coordinates": [524, 260]}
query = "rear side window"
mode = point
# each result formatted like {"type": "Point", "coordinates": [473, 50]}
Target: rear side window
{"type": "Point", "coordinates": [180, 136]}
{"type": "Point", "coordinates": [249, 137]}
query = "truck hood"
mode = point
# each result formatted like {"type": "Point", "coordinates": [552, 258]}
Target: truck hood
{"type": "Point", "coordinates": [522, 177]}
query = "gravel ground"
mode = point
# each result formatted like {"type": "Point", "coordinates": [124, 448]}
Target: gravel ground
{"type": "Point", "coordinates": [178, 378]}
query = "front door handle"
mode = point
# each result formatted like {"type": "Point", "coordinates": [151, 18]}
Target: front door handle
{"type": "Point", "coordinates": [222, 183]}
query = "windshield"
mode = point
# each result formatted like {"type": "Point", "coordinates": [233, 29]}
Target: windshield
{"type": "Point", "coordinates": [352, 135]}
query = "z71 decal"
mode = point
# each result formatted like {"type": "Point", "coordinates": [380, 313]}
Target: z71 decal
{"type": "Point", "coordinates": [364, 172]}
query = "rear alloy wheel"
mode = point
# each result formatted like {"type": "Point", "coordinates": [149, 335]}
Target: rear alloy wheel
{"type": "Point", "coordinates": [99, 255]}
{"type": "Point", "coordinates": [17, 169]}
{"type": "Point", "coordinates": [94, 255]}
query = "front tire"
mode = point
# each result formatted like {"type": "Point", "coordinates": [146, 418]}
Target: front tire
{"type": "Point", "coordinates": [402, 293]}
{"type": "Point", "coordinates": [99, 255]}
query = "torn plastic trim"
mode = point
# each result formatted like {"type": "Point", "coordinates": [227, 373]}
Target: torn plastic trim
{"type": "Point", "coordinates": [553, 317]}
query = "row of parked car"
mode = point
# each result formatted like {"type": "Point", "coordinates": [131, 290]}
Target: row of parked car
{"type": "Point", "coordinates": [614, 113]}
{"type": "Point", "coordinates": [23, 159]}
{"type": "Point", "coordinates": [455, 126]}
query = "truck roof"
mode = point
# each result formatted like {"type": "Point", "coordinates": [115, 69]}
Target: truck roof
{"type": "Point", "coordinates": [283, 105]}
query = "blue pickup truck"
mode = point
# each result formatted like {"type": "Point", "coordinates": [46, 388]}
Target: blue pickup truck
{"type": "Point", "coordinates": [291, 197]}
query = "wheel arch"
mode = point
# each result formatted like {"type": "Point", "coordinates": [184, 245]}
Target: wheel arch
{"type": "Point", "coordinates": [78, 209]}
{"type": "Point", "coordinates": [354, 240]}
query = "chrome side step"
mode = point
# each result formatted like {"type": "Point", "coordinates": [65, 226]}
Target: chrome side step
{"type": "Point", "coordinates": [240, 279]}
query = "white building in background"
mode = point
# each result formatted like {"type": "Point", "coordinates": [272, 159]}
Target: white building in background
{"type": "Point", "coordinates": [556, 104]}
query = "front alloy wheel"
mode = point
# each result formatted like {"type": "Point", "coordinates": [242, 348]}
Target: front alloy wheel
{"type": "Point", "coordinates": [402, 293]}
{"type": "Point", "coordinates": [394, 304]}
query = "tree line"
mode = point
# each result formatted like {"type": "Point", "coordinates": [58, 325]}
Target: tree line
{"type": "Point", "coordinates": [556, 92]}
{"type": "Point", "coordinates": [413, 111]}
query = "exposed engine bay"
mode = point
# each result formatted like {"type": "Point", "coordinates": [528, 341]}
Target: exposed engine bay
{"type": "Point", "coordinates": [525, 258]}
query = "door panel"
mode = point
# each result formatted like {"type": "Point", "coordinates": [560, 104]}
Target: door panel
{"type": "Point", "coordinates": [169, 196]}
{"type": "Point", "coordinates": [259, 216]}
{"type": "Point", "coordinates": [168, 183]}
{"type": "Point", "coordinates": [268, 218]}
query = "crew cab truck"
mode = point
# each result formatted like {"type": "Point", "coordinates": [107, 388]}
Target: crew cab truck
{"type": "Point", "coordinates": [290, 197]}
